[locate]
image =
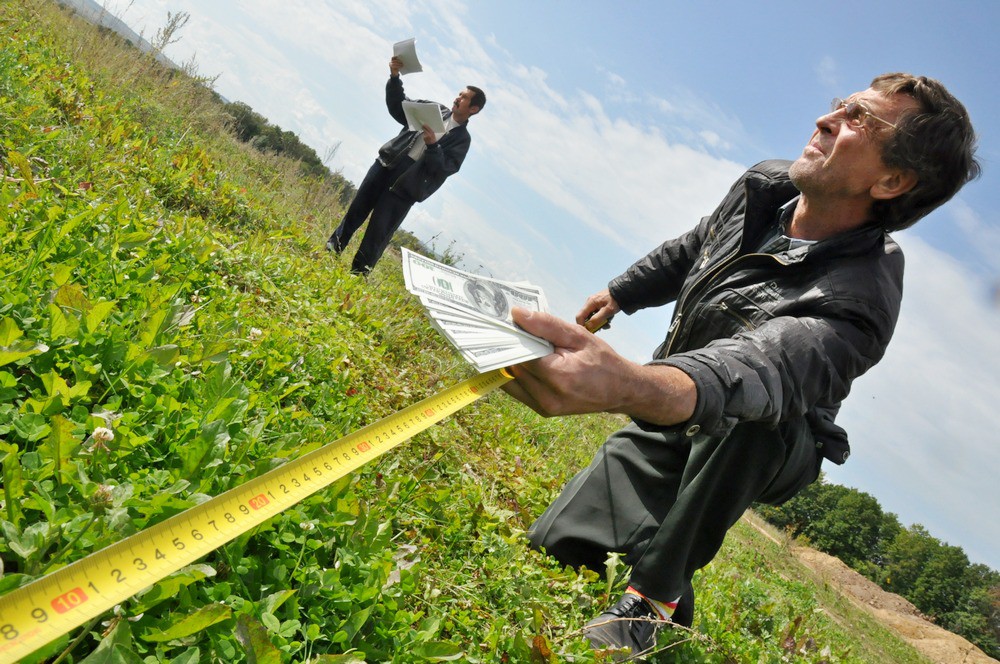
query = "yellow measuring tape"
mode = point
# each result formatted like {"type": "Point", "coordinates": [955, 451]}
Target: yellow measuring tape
{"type": "Point", "coordinates": [51, 606]}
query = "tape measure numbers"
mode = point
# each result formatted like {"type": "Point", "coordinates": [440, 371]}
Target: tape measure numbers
{"type": "Point", "coordinates": [46, 608]}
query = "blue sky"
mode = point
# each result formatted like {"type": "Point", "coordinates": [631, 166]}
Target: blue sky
{"type": "Point", "coordinates": [611, 127]}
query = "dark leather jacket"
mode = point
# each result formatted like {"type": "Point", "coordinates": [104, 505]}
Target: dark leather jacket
{"type": "Point", "coordinates": [441, 159]}
{"type": "Point", "coordinates": [774, 340]}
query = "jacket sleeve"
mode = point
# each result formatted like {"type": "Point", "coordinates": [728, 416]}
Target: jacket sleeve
{"type": "Point", "coordinates": [394, 98]}
{"type": "Point", "coordinates": [656, 279]}
{"type": "Point", "coordinates": [789, 365]}
{"type": "Point", "coordinates": [444, 157]}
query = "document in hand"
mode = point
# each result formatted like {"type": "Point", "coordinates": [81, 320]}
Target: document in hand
{"type": "Point", "coordinates": [420, 113]}
{"type": "Point", "coordinates": [473, 312]}
{"type": "Point", "coordinates": [406, 51]}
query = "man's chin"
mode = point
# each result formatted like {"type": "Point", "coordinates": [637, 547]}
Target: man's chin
{"type": "Point", "coordinates": [803, 164]}
{"type": "Point", "coordinates": [799, 171]}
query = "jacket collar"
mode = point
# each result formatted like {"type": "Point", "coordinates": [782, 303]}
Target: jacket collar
{"type": "Point", "coordinates": [765, 196]}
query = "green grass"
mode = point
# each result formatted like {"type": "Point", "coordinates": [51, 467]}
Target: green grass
{"type": "Point", "coordinates": [167, 282]}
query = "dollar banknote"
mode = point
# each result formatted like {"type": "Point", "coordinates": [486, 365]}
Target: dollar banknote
{"type": "Point", "coordinates": [474, 312]}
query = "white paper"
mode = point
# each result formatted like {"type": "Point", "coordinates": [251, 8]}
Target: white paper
{"type": "Point", "coordinates": [419, 114]}
{"type": "Point", "coordinates": [406, 51]}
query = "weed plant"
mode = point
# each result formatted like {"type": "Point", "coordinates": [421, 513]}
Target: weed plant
{"type": "Point", "coordinates": [166, 284]}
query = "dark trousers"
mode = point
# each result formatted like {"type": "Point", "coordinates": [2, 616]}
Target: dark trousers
{"type": "Point", "coordinates": [666, 501]}
{"type": "Point", "coordinates": [387, 210]}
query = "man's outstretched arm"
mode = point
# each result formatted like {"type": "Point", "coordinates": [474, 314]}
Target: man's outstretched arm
{"type": "Point", "coordinates": [585, 375]}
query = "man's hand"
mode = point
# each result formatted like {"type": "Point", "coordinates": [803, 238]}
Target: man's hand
{"type": "Point", "coordinates": [585, 375]}
{"type": "Point", "coordinates": [394, 66]}
{"type": "Point", "coordinates": [429, 137]}
{"type": "Point", "coordinates": [597, 311]}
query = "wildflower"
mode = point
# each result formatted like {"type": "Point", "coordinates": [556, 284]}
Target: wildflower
{"type": "Point", "coordinates": [255, 334]}
{"type": "Point", "coordinates": [100, 438]}
{"type": "Point", "coordinates": [102, 498]}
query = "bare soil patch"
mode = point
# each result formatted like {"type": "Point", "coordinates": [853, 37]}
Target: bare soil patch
{"type": "Point", "coordinates": [896, 613]}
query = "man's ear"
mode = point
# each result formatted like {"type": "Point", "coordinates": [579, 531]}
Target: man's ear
{"type": "Point", "coordinates": [894, 183]}
{"type": "Point", "coordinates": [473, 110]}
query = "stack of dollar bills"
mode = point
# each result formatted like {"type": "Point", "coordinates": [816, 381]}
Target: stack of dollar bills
{"type": "Point", "coordinates": [473, 312]}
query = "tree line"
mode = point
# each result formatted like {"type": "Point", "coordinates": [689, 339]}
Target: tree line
{"type": "Point", "coordinates": [934, 576]}
{"type": "Point", "coordinates": [251, 127]}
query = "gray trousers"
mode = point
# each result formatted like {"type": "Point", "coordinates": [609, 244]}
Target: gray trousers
{"type": "Point", "coordinates": [666, 501]}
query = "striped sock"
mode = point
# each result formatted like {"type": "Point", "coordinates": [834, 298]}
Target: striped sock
{"type": "Point", "coordinates": [664, 609]}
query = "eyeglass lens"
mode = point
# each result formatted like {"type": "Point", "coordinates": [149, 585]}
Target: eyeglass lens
{"type": "Point", "coordinates": [853, 111]}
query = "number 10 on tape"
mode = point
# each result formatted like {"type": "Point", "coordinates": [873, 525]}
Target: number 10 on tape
{"type": "Point", "coordinates": [46, 608]}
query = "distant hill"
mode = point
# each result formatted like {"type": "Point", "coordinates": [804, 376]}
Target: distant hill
{"type": "Point", "coordinates": [96, 13]}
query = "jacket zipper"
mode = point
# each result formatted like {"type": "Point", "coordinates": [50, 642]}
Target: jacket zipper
{"type": "Point", "coordinates": [675, 326]}
{"type": "Point", "coordinates": [746, 322]}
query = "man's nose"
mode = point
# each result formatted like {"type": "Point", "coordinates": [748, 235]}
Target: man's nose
{"type": "Point", "coordinates": [832, 120]}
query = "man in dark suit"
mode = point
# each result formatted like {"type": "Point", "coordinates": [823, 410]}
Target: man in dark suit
{"type": "Point", "coordinates": [409, 168]}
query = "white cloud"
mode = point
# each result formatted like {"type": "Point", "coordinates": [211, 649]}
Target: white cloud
{"type": "Point", "coordinates": [982, 238]}
{"type": "Point", "coordinates": [615, 80]}
{"type": "Point", "coordinates": [827, 73]}
{"type": "Point", "coordinates": [921, 421]}
{"type": "Point", "coordinates": [711, 138]}
{"type": "Point", "coordinates": [622, 180]}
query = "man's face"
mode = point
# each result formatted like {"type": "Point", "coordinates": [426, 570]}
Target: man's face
{"type": "Point", "coordinates": [462, 106]}
{"type": "Point", "coordinates": [844, 161]}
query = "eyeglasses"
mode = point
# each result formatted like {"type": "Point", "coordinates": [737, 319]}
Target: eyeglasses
{"type": "Point", "coordinates": [856, 113]}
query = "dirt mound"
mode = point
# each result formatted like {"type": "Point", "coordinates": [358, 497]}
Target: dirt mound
{"type": "Point", "coordinates": [893, 611]}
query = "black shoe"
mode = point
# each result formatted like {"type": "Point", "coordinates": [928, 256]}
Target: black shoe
{"type": "Point", "coordinates": [334, 245]}
{"type": "Point", "coordinates": [631, 623]}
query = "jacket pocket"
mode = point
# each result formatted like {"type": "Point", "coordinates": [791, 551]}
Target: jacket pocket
{"type": "Point", "coordinates": [394, 149]}
{"type": "Point", "coordinates": [739, 312]}
{"type": "Point", "coordinates": [800, 468]}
